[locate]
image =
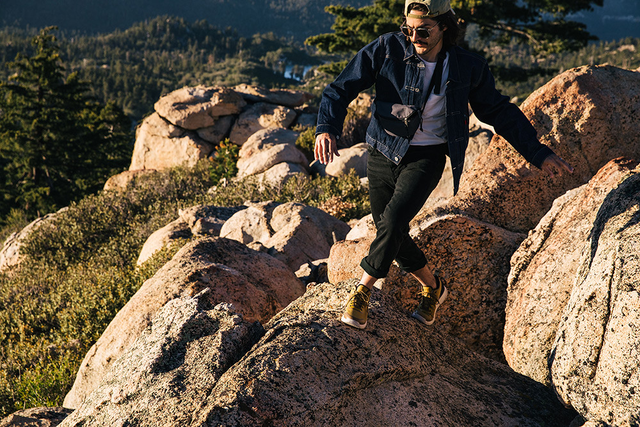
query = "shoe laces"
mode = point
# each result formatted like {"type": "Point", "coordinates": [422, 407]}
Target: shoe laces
{"type": "Point", "coordinates": [429, 297]}
{"type": "Point", "coordinates": [359, 301]}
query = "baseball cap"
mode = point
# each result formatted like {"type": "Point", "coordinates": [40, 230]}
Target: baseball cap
{"type": "Point", "coordinates": [435, 7]}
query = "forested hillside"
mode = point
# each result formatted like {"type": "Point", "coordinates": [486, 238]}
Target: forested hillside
{"type": "Point", "coordinates": [136, 66]}
{"type": "Point", "coordinates": [296, 19]}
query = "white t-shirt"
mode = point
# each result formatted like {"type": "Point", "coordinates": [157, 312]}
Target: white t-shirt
{"type": "Point", "coordinates": [434, 126]}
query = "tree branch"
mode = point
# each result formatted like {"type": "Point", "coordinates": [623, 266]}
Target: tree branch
{"type": "Point", "coordinates": [513, 30]}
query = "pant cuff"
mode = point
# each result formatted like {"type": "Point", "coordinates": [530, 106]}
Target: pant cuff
{"type": "Point", "coordinates": [374, 272]}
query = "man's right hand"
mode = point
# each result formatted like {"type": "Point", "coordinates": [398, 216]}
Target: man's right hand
{"type": "Point", "coordinates": [326, 147]}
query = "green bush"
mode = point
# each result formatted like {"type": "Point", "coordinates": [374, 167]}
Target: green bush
{"type": "Point", "coordinates": [318, 192]}
{"type": "Point", "coordinates": [225, 160]}
{"type": "Point", "coordinates": [80, 268]}
{"type": "Point", "coordinates": [306, 143]}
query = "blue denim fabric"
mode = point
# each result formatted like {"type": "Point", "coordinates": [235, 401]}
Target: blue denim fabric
{"type": "Point", "coordinates": [391, 63]}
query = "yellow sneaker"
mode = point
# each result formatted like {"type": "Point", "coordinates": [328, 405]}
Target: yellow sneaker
{"type": "Point", "coordinates": [430, 300]}
{"type": "Point", "coordinates": [357, 310]}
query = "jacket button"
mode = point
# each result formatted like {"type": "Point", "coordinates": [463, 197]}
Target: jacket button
{"type": "Point", "coordinates": [397, 159]}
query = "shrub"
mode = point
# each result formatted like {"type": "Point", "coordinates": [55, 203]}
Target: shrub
{"type": "Point", "coordinates": [225, 160]}
{"type": "Point", "coordinates": [306, 142]}
{"type": "Point", "coordinates": [346, 189]}
{"type": "Point", "coordinates": [80, 268]}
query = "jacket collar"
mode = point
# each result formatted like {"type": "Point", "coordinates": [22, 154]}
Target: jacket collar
{"type": "Point", "coordinates": [454, 68]}
{"type": "Point", "coordinates": [411, 54]}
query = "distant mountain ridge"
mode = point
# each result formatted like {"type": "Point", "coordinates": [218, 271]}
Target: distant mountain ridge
{"type": "Point", "coordinates": [297, 19]}
{"type": "Point", "coordinates": [615, 20]}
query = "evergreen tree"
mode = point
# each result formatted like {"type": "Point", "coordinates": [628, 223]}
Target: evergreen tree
{"type": "Point", "coordinates": [56, 143]}
{"type": "Point", "coordinates": [541, 24]}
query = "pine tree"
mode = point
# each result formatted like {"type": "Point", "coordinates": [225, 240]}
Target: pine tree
{"type": "Point", "coordinates": [56, 143]}
{"type": "Point", "coordinates": [541, 24]}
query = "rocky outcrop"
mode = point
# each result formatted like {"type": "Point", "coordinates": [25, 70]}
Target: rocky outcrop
{"type": "Point", "coordinates": [196, 221]}
{"type": "Point", "coordinates": [594, 359]}
{"type": "Point", "coordinates": [36, 417]}
{"type": "Point", "coordinates": [588, 115]}
{"type": "Point", "coordinates": [472, 257]}
{"type": "Point", "coordinates": [10, 252]}
{"type": "Point", "coordinates": [189, 345]}
{"type": "Point", "coordinates": [257, 284]}
{"type": "Point", "coordinates": [309, 369]}
{"type": "Point", "coordinates": [543, 272]}
{"type": "Point", "coordinates": [291, 232]}
{"type": "Point", "coordinates": [123, 180]}
{"type": "Point", "coordinates": [172, 367]}
{"type": "Point", "coordinates": [190, 122]}
{"type": "Point", "coordinates": [267, 148]}
{"type": "Point", "coordinates": [573, 298]}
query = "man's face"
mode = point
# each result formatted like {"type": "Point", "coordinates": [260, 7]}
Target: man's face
{"type": "Point", "coordinates": [427, 48]}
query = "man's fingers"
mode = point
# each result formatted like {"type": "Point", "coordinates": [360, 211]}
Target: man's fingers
{"type": "Point", "coordinates": [325, 148]}
{"type": "Point", "coordinates": [555, 165]}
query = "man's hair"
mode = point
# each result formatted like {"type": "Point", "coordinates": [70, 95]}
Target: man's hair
{"type": "Point", "coordinates": [453, 32]}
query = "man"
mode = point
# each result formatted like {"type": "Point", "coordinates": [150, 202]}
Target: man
{"type": "Point", "coordinates": [424, 84]}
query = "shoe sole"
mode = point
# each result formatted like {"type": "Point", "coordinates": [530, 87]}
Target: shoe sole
{"type": "Point", "coordinates": [443, 297]}
{"type": "Point", "coordinates": [352, 322]}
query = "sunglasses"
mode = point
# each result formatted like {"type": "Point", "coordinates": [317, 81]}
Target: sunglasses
{"type": "Point", "coordinates": [421, 32]}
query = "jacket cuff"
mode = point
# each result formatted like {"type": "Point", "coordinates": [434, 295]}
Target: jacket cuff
{"type": "Point", "coordinates": [542, 154]}
{"type": "Point", "coordinates": [327, 129]}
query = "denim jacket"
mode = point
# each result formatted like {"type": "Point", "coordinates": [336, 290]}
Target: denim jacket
{"type": "Point", "coordinates": [391, 63]}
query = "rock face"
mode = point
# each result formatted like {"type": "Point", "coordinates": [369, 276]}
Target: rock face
{"type": "Point", "coordinates": [310, 369]}
{"type": "Point", "coordinates": [121, 181]}
{"type": "Point", "coordinates": [10, 251]}
{"type": "Point", "coordinates": [170, 370]}
{"type": "Point", "coordinates": [291, 232]}
{"type": "Point", "coordinates": [354, 157]}
{"type": "Point", "coordinates": [190, 122]}
{"type": "Point", "coordinates": [588, 115]}
{"type": "Point", "coordinates": [594, 359]}
{"type": "Point", "coordinates": [572, 313]}
{"type": "Point", "coordinates": [161, 145]}
{"type": "Point", "coordinates": [200, 107]}
{"type": "Point", "coordinates": [257, 284]}
{"type": "Point", "coordinates": [260, 116]}
{"type": "Point", "coordinates": [193, 222]}
{"type": "Point", "coordinates": [36, 417]}
{"type": "Point", "coordinates": [543, 272]}
{"type": "Point", "coordinates": [472, 257]}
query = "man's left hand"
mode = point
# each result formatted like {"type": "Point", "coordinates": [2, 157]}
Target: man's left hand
{"type": "Point", "coordinates": [554, 165]}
